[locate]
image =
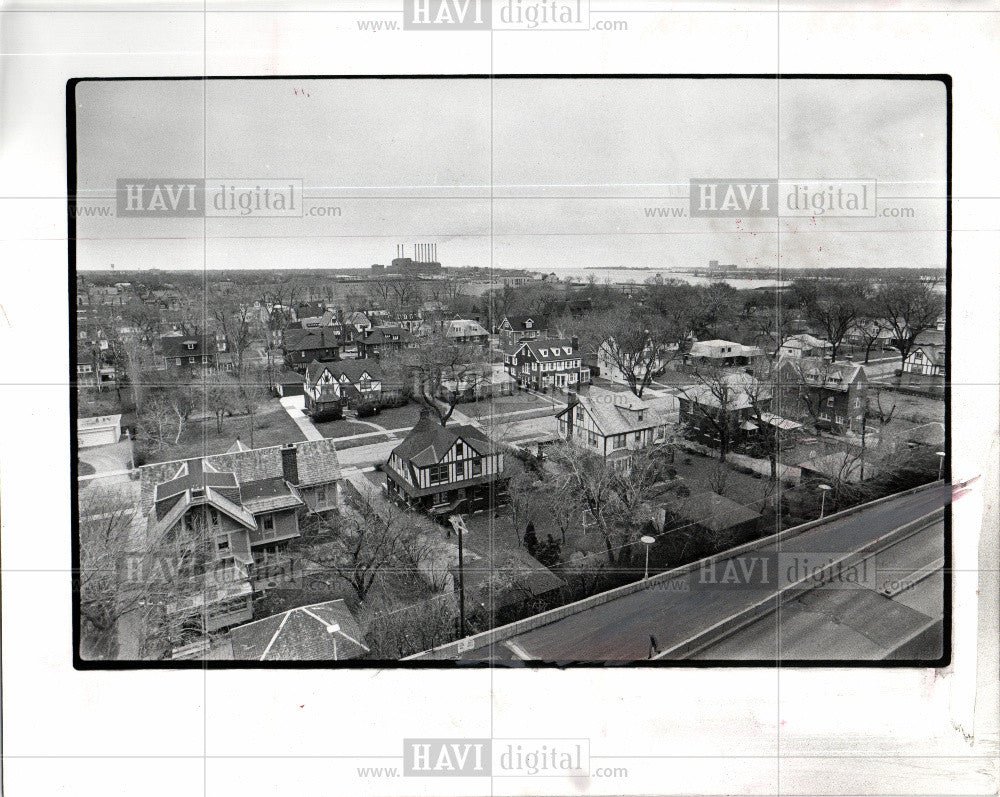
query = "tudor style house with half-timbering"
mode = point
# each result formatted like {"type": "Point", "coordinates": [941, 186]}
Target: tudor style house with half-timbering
{"type": "Point", "coordinates": [611, 425]}
{"type": "Point", "coordinates": [230, 516]}
{"type": "Point", "coordinates": [444, 470]}
{"type": "Point", "coordinates": [330, 387]}
{"type": "Point", "coordinates": [542, 364]}
{"type": "Point", "coordinates": [925, 360]}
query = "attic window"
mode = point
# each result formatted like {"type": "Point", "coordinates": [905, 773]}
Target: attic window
{"type": "Point", "coordinates": [568, 350]}
{"type": "Point", "coordinates": [544, 352]}
{"type": "Point", "coordinates": [555, 352]}
{"type": "Point", "coordinates": [528, 324]}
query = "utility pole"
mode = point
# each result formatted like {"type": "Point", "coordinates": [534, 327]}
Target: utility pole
{"type": "Point", "coordinates": [458, 523]}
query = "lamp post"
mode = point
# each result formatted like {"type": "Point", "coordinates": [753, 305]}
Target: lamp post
{"type": "Point", "coordinates": [940, 456]}
{"type": "Point", "coordinates": [647, 541]}
{"type": "Point", "coordinates": [825, 488]}
{"type": "Point", "coordinates": [333, 629]}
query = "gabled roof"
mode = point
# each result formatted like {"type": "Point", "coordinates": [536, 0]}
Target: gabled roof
{"type": "Point", "coordinates": [930, 337]}
{"type": "Point", "coordinates": [821, 373]}
{"type": "Point", "coordinates": [317, 464]}
{"type": "Point", "coordinates": [377, 335]}
{"type": "Point", "coordinates": [519, 322]}
{"type": "Point", "coordinates": [352, 369]}
{"type": "Point", "coordinates": [932, 354]}
{"type": "Point", "coordinates": [615, 413]}
{"type": "Point", "coordinates": [177, 345]}
{"type": "Point", "coordinates": [538, 345]}
{"type": "Point", "coordinates": [308, 339]}
{"type": "Point", "coordinates": [428, 441]}
{"type": "Point", "coordinates": [319, 632]}
{"type": "Point", "coordinates": [708, 348]}
{"type": "Point", "coordinates": [266, 495]}
{"type": "Point", "coordinates": [711, 511]}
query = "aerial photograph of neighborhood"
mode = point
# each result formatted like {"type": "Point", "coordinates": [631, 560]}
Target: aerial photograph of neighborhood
{"type": "Point", "coordinates": [496, 377]}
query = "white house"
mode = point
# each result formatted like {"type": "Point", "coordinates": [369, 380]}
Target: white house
{"type": "Point", "coordinates": [611, 425]}
{"type": "Point", "coordinates": [926, 360]}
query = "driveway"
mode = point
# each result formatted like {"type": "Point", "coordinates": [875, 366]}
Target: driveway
{"type": "Point", "coordinates": [294, 406]}
{"type": "Point", "coordinates": [111, 462]}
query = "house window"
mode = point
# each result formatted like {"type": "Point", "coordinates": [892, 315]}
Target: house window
{"type": "Point", "coordinates": [191, 359]}
{"type": "Point", "coordinates": [215, 516]}
{"type": "Point", "coordinates": [579, 414]}
{"type": "Point", "coordinates": [591, 438]}
{"type": "Point", "coordinates": [840, 419]}
{"type": "Point", "coordinates": [438, 473]}
{"type": "Point", "coordinates": [619, 441]}
{"type": "Point", "coordinates": [829, 401]}
{"type": "Point", "coordinates": [568, 350]}
{"type": "Point", "coordinates": [267, 522]}
{"type": "Point", "coordinates": [477, 466]}
{"type": "Point", "coordinates": [638, 437]}
{"type": "Point", "coordinates": [223, 544]}
{"type": "Point", "coordinates": [204, 359]}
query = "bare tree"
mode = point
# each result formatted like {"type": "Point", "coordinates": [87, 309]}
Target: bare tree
{"type": "Point", "coordinates": [909, 308]}
{"type": "Point", "coordinates": [715, 401]}
{"type": "Point", "coordinates": [437, 363]}
{"type": "Point", "coordinates": [639, 348]}
{"type": "Point", "coordinates": [833, 307]}
{"type": "Point", "coordinates": [369, 540]}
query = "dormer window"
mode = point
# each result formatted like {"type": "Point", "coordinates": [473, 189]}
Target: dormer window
{"type": "Point", "coordinates": [555, 352]}
{"type": "Point", "coordinates": [568, 350]}
{"type": "Point", "coordinates": [528, 324]}
{"type": "Point", "coordinates": [189, 345]}
{"type": "Point", "coordinates": [543, 352]}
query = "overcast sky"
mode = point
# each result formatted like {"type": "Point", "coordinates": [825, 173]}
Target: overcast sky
{"type": "Point", "coordinates": [574, 165]}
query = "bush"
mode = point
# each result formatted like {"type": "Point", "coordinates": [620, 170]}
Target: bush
{"type": "Point", "coordinates": [367, 410]}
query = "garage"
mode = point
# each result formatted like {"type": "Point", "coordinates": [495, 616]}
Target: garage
{"type": "Point", "coordinates": [101, 430]}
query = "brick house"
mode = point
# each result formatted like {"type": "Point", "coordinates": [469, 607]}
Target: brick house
{"type": "Point", "coordinates": [545, 363]}
{"type": "Point", "coordinates": [833, 395]}
{"type": "Point", "coordinates": [442, 470]}
{"type": "Point", "coordinates": [704, 410]}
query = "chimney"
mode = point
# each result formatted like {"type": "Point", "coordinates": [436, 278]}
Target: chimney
{"type": "Point", "coordinates": [575, 341]}
{"type": "Point", "coordinates": [572, 399]}
{"type": "Point", "coordinates": [290, 463]}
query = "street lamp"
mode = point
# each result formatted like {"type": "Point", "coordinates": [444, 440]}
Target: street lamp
{"type": "Point", "coordinates": [333, 629]}
{"type": "Point", "coordinates": [940, 456]}
{"type": "Point", "coordinates": [647, 541]}
{"type": "Point", "coordinates": [822, 504]}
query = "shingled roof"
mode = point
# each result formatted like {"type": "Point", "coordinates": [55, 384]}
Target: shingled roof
{"type": "Point", "coordinates": [305, 633]}
{"type": "Point", "coordinates": [428, 441]}
{"type": "Point", "coordinates": [316, 461]}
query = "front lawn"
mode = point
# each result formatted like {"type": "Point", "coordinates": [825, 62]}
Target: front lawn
{"type": "Point", "coordinates": [346, 427]}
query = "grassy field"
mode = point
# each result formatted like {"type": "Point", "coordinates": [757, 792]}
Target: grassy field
{"type": "Point", "coordinates": [346, 427]}
{"type": "Point", "coordinates": [200, 438]}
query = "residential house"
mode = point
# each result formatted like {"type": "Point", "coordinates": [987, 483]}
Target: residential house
{"type": "Point", "coordinates": [833, 395]}
{"type": "Point", "coordinates": [609, 356]}
{"type": "Point", "coordinates": [182, 352]}
{"type": "Point", "coordinates": [545, 363]}
{"type": "Point", "coordinates": [318, 632]}
{"type": "Point", "coordinates": [925, 360]}
{"type": "Point", "coordinates": [233, 514]}
{"type": "Point", "coordinates": [610, 425]}
{"type": "Point", "coordinates": [514, 329]}
{"type": "Point", "coordinates": [330, 387]}
{"type": "Point", "coordinates": [715, 517]}
{"type": "Point", "coordinates": [383, 340]}
{"type": "Point", "coordinates": [359, 323]}
{"type": "Point", "coordinates": [466, 330]}
{"type": "Point", "coordinates": [445, 469]}
{"type": "Point", "coordinates": [731, 404]}
{"type": "Point", "coordinates": [878, 332]}
{"type": "Point", "coordinates": [805, 345]}
{"type": "Point", "coordinates": [302, 346]}
{"type": "Point", "coordinates": [721, 353]}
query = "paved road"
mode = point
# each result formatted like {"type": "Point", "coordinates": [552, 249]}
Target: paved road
{"type": "Point", "coordinates": [854, 621]}
{"type": "Point", "coordinates": [620, 630]}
